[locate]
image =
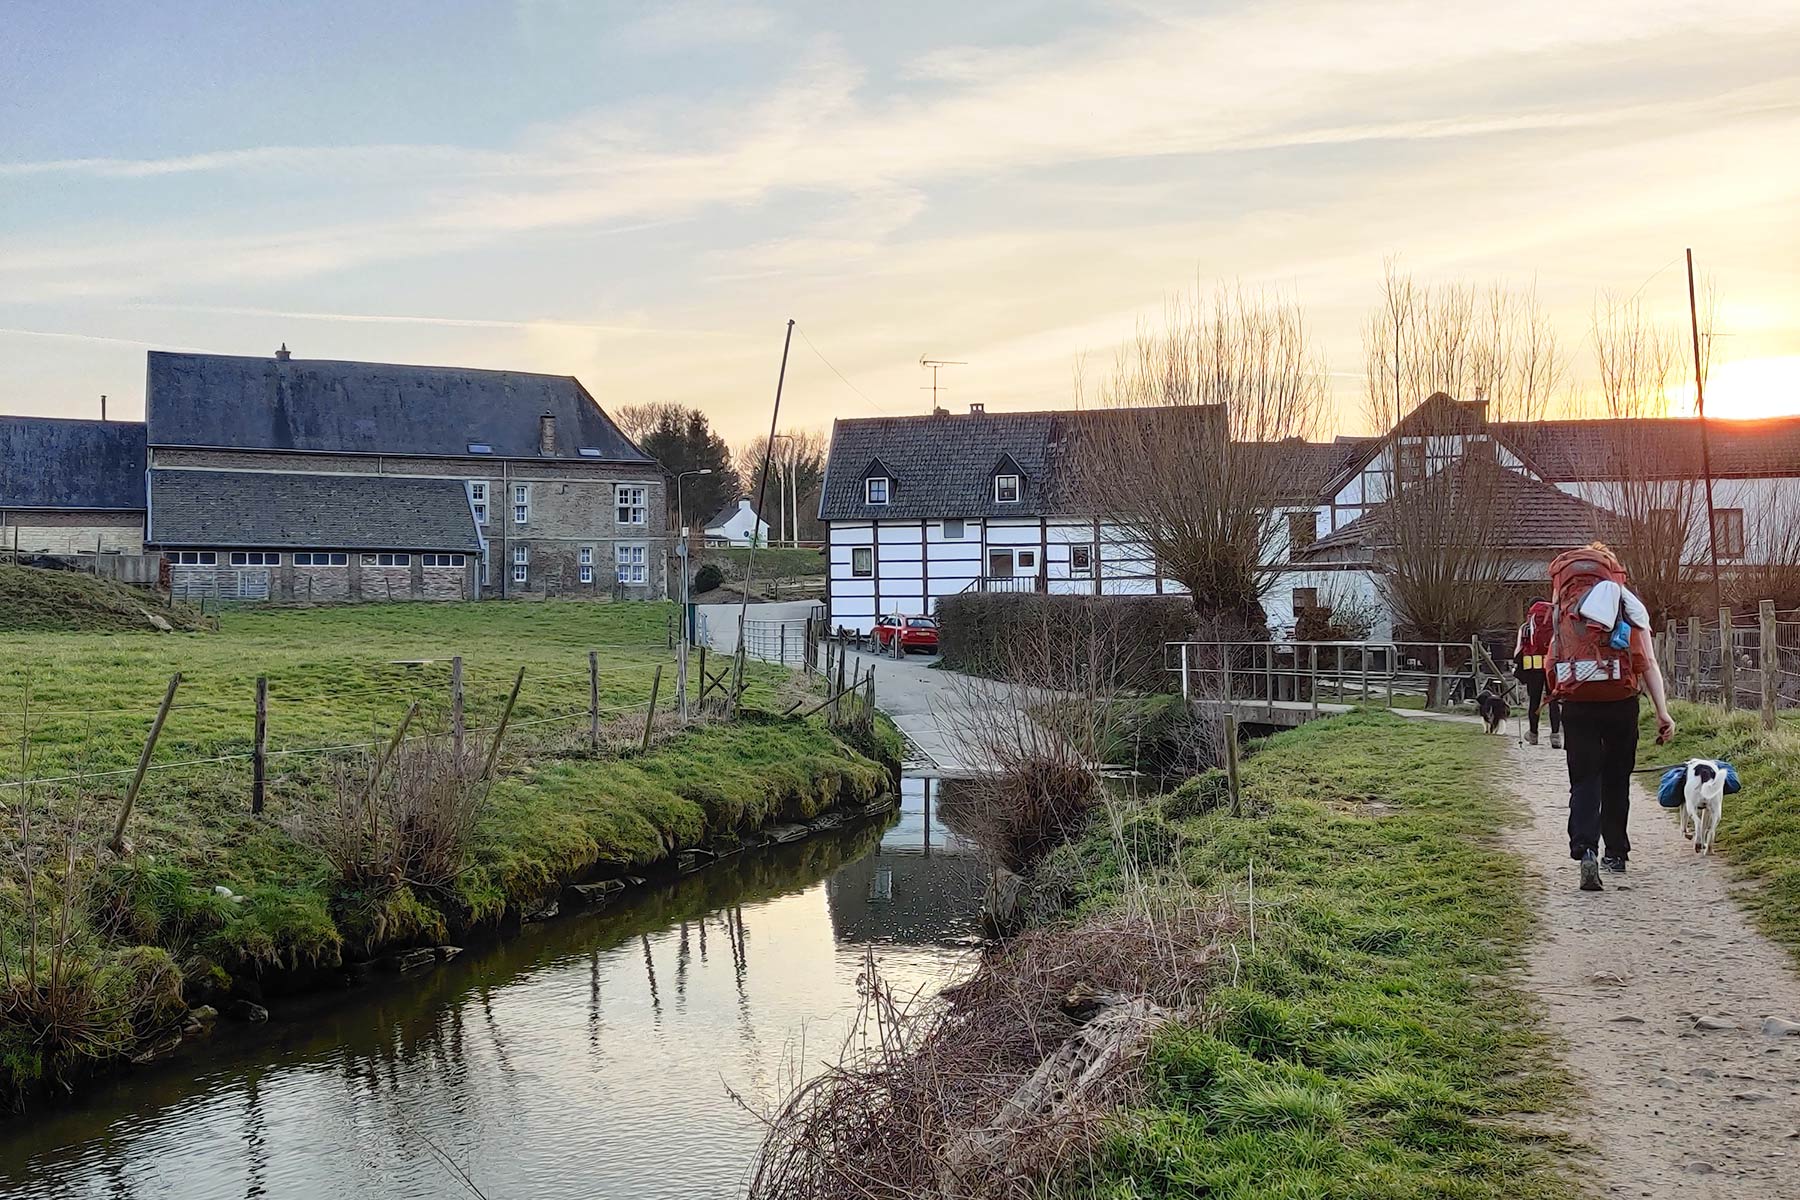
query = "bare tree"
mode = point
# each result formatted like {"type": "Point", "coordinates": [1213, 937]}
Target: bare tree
{"type": "Point", "coordinates": [797, 472]}
{"type": "Point", "coordinates": [1184, 463]}
{"type": "Point", "coordinates": [1443, 364]}
{"type": "Point", "coordinates": [1658, 495]}
{"type": "Point", "coordinates": [640, 420]}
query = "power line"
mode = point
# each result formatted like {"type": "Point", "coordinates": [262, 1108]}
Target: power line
{"type": "Point", "coordinates": [884, 412]}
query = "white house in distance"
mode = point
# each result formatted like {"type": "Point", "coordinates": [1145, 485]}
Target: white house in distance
{"type": "Point", "coordinates": [918, 508]}
{"type": "Point", "coordinates": [736, 524]}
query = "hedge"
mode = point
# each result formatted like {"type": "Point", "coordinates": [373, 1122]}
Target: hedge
{"type": "Point", "coordinates": [977, 630]}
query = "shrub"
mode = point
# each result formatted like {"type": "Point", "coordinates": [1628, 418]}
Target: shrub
{"type": "Point", "coordinates": [976, 630]}
{"type": "Point", "coordinates": [707, 578]}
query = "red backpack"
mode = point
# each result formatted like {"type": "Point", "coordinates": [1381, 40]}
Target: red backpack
{"type": "Point", "coordinates": [1580, 663]}
{"type": "Point", "coordinates": [1535, 636]}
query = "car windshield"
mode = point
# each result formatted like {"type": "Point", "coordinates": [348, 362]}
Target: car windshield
{"type": "Point", "coordinates": [922, 623]}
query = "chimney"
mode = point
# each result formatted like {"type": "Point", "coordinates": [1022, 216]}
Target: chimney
{"type": "Point", "coordinates": [103, 406]}
{"type": "Point", "coordinates": [976, 410]}
{"type": "Point", "coordinates": [547, 433]}
{"type": "Point", "coordinates": [282, 354]}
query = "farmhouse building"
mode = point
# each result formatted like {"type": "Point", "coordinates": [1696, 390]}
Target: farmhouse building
{"type": "Point", "coordinates": [284, 478]}
{"type": "Point", "coordinates": [736, 524]}
{"type": "Point", "coordinates": [71, 487]}
{"type": "Point", "coordinates": [923, 507]}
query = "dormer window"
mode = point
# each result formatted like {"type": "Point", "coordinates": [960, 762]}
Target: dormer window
{"type": "Point", "coordinates": [875, 489]}
{"type": "Point", "coordinates": [1006, 489]}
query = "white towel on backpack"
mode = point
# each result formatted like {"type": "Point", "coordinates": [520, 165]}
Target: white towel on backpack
{"type": "Point", "coordinates": [1602, 603]}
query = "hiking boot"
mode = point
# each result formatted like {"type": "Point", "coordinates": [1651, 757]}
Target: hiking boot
{"type": "Point", "coordinates": [1556, 740]}
{"type": "Point", "coordinates": [1531, 738]}
{"type": "Point", "coordinates": [1615, 865]}
{"type": "Point", "coordinates": [1590, 873]}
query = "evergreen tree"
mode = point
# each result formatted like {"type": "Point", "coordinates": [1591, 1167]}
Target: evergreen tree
{"type": "Point", "coordinates": [683, 440]}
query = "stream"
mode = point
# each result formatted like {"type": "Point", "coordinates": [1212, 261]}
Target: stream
{"type": "Point", "coordinates": [588, 1056]}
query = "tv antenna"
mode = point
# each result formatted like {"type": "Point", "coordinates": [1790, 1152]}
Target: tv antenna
{"type": "Point", "coordinates": [934, 364]}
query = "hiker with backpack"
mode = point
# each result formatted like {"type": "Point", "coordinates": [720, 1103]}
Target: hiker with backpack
{"type": "Point", "coordinates": [1529, 649]}
{"type": "Point", "coordinates": [1599, 654]}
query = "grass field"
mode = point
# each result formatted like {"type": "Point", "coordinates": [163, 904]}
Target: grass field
{"type": "Point", "coordinates": [1760, 836]}
{"type": "Point", "coordinates": [1368, 1047]}
{"type": "Point", "coordinates": [82, 703]}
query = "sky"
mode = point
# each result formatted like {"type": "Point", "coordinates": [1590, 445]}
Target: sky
{"type": "Point", "coordinates": [642, 195]}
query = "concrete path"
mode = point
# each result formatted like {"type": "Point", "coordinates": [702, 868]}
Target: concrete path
{"type": "Point", "coordinates": [928, 706]}
{"type": "Point", "coordinates": [1660, 988]}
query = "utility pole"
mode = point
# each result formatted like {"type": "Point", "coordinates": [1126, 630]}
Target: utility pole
{"type": "Point", "coordinates": [934, 364]}
{"type": "Point", "coordinates": [1712, 523]}
{"type": "Point", "coordinates": [762, 491]}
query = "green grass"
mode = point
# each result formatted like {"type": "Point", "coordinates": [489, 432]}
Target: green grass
{"type": "Point", "coordinates": [554, 811]}
{"type": "Point", "coordinates": [1760, 836]}
{"type": "Point", "coordinates": [772, 562]}
{"type": "Point", "coordinates": [1367, 1049]}
{"type": "Point", "coordinates": [38, 600]}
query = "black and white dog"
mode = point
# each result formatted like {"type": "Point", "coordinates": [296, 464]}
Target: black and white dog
{"type": "Point", "coordinates": [1703, 802]}
{"type": "Point", "coordinates": [1492, 706]}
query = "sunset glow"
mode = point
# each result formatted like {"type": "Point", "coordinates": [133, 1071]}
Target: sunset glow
{"type": "Point", "coordinates": [1749, 388]}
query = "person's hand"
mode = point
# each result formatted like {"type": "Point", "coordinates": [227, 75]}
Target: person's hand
{"type": "Point", "coordinates": [1665, 728]}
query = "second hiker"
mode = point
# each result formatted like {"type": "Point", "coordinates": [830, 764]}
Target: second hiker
{"type": "Point", "coordinates": [1528, 664]}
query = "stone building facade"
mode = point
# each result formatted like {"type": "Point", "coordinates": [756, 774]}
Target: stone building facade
{"type": "Point", "coordinates": [295, 479]}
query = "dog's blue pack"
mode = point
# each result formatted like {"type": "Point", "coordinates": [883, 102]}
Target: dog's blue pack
{"type": "Point", "coordinates": [1670, 793]}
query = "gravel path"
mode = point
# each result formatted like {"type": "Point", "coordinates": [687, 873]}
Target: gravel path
{"type": "Point", "coordinates": [1661, 990]}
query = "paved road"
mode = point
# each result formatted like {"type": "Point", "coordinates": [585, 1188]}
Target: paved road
{"type": "Point", "coordinates": [929, 706]}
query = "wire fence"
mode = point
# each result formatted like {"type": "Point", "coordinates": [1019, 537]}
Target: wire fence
{"type": "Point", "coordinates": [1738, 661]}
{"type": "Point", "coordinates": [605, 704]}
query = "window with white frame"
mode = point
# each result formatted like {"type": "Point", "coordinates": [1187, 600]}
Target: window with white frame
{"type": "Point", "coordinates": [862, 562]}
{"type": "Point", "coordinates": [521, 563]}
{"type": "Point", "coordinates": [444, 560]}
{"type": "Point", "coordinates": [1006, 489]}
{"type": "Point", "coordinates": [585, 558]}
{"type": "Point", "coordinates": [1027, 560]}
{"type": "Point", "coordinates": [954, 529]}
{"type": "Point", "coordinates": [633, 565]}
{"type": "Point", "coordinates": [1081, 560]}
{"type": "Point", "coordinates": [195, 558]}
{"type": "Point", "coordinates": [875, 490]}
{"type": "Point", "coordinates": [521, 503]}
{"type": "Point", "coordinates": [255, 558]}
{"type": "Point", "coordinates": [478, 500]}
{"type": "Point", "coordinates": [633, 507]}
{"type": "Point", "coordinates": [321, 558]}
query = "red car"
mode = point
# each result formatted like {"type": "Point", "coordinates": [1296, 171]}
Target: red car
{"type": "Point", "coordinates": [915, 633]}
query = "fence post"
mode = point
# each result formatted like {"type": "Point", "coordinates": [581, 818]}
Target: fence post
{"type": "Point", "coordinates": [1184, 672]}
{"type": "Point", "coordinates": [1225, 672]}
{"type": "Point", "coordinates": [487, 770]}
{"type": "Point", "coordinates": [457, 730]}
{"type": "Point", "coordinates": [1312, 671]}
{"type": "Point", "coordinates": [1693, 682]}
{"type": "Point", "coordinates": [837, 703]}
{"type": "Point", "coordinates": [1771, 662]}
{"type": "Point", "coordinates": [1231, 762]}
{"type": "Point", "coordinates": [1269, 677]}
{"type": "Point", "coordinates": [782, 644]}
{"type": "Point", "coordinates": [593, 700]}
{"type": "Point", "coordinates": [650, 714]}
{"type": "Point", "coordinates": [259, 756]}
{"type": "Point", "coordinates": [1475, 662]}
{"type": "Point", "coordinates": [119, 845]}
{"type": "Point", "coordinates": [1727, 661]}
{"type": "Point", "coordinates": [868, 712]}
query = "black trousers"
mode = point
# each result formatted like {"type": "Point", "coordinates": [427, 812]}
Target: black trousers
{"type": "Point", "coordinates": [1534, 691]}
{"type": "Point", "coordinates": [1600, 738]}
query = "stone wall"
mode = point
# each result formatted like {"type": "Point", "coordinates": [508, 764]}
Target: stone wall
{"type": "Point", "coordinates": [362, 579]}
{"type": "Point", "coordinates": [72, 532]}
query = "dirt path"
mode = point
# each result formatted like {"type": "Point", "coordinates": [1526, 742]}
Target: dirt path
{"type": "Point", "coordinates": [1660, 988]}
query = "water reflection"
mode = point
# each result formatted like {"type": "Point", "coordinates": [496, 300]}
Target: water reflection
{"type": "Point", "coordinates": [585, 1057]}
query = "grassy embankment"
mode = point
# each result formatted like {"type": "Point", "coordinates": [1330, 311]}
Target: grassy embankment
{"type": "Point", "coordinates": [1760, 836]}
{"type": "Point", "coordinates": [555, 810]}
{"type": "Point", "coordinates": [1368, 1047]}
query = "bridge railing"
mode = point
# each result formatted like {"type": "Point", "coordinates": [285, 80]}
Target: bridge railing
{"type": "Point", "coordinates": [1407, 674]}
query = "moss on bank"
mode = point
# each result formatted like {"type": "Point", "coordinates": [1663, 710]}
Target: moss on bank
{"type": "Point", "coordinates": [1367, 1047]}
{"type": "Point", "coordinates": [1760, 836]}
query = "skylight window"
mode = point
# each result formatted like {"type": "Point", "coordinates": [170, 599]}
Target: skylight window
{"type": "Point", "coordinates": [480, 448]}
{"type": "Point", "coordinates": [588, 452]}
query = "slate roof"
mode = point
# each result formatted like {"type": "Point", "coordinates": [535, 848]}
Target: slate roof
{"type": "Point", "coordinates": [330, 407]}
{"type": "Point", "coordinates": [270, 510]}
{"type": "Point", "coordinates": [1533, 516]}
{"type": "Point", "coordinates": [55, 463]}
{"type": "Point", "coordinates": [1656, 447]}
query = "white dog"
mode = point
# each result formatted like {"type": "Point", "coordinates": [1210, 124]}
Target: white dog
{"type": "Point", "coordinates": [1703, 802]}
